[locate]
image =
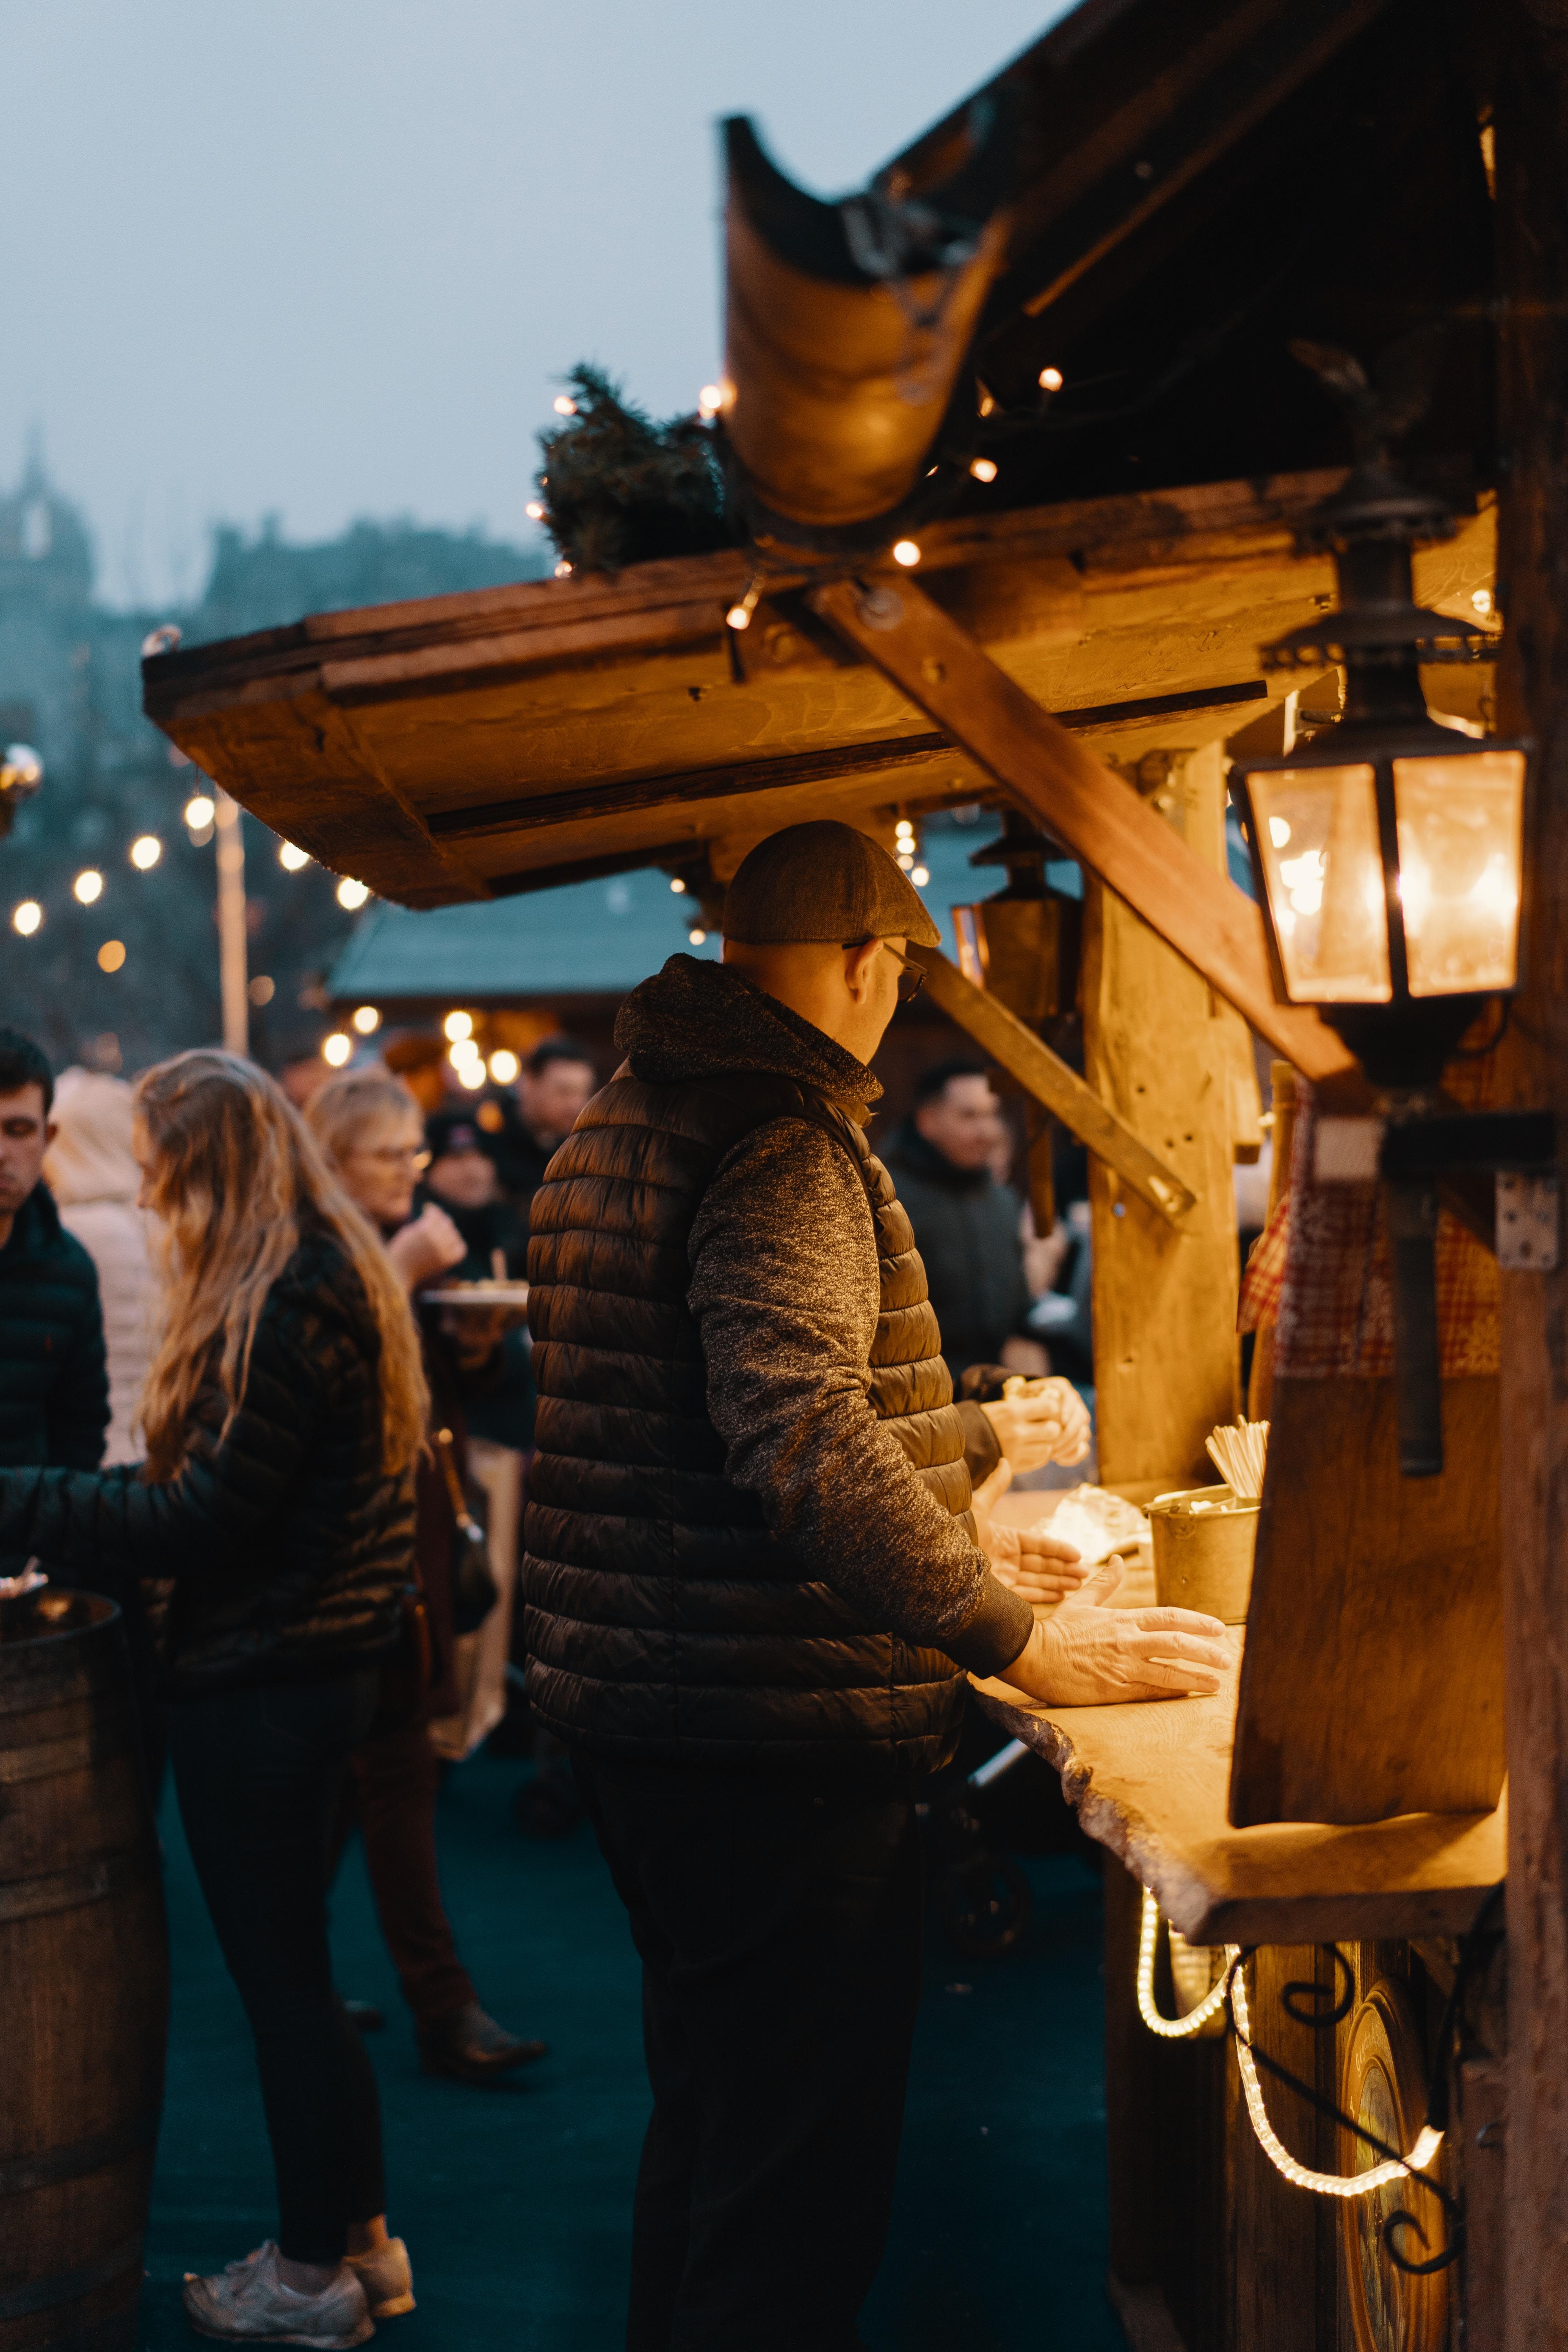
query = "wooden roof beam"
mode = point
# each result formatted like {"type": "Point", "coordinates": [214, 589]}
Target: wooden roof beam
{"type": "Point", "coordinates": [1085, 806]}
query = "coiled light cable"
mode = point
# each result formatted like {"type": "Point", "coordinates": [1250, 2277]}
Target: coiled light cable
{"type": "Point", "coordinates": [1321, 2184]}
{"type": "Point", "coordinates": [1174, 2029]}
{"type": "Point", "coordinates": [1232, 1986]}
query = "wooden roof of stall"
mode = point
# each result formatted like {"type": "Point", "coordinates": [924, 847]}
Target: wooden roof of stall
{"type": "Point", "coordinates": [1176, 188]}
{"type": "Point", "coordinates": [472, 746]}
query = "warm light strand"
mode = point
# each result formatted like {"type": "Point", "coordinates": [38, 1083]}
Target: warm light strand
{"type": "Point", "coordinates": [1174, 2029]}
{"type": "Point", "coordinates": [1232, 1986]}
{"type": "Point", "coordinates": [1321, 2184]}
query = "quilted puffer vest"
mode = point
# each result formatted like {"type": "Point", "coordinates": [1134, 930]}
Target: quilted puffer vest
{"type": "Point", "coordinates": [663, 1619]}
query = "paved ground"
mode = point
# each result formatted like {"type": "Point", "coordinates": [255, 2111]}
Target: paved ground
{"type": "Point", "coordinates": [515, 2201]}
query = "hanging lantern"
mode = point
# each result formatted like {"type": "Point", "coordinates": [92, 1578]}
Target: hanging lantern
{"type": "Point", "coordinates": [1387, 851]}
{"type": "Point", "coordinates": [1388, 855]}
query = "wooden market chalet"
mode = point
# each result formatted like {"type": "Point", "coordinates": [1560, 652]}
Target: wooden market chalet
{"type": "Point", "coordinates": [1078, 461]}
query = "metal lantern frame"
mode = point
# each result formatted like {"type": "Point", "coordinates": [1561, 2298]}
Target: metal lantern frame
{"type": "Point", "coordinates": [1381, 638]}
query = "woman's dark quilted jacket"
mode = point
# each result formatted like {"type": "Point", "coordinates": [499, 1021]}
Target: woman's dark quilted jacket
{"type": "Point", "coordinates": [285, 1544]}
{"type": "Point", "coordinates": [748, 1529]}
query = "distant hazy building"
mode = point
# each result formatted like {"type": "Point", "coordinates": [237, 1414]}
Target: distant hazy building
{"type": "Point", "coordinates": [70, 685]}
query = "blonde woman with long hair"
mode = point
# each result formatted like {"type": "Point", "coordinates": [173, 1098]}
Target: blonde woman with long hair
{"type": "Point", "coordinates": [372, 1131]}
{"type": "Point", "coordinates": [283, 1410]}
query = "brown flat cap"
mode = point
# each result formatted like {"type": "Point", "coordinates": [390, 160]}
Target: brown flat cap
{"type": "Point", "coordinates": [823, 881]}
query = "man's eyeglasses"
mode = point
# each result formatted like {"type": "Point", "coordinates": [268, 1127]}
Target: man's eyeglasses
{"type": "Point", "coordinates": [911, 975]}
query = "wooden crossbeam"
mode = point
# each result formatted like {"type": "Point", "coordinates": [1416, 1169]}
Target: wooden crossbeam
{"type": "Point", "coordinates": [1050, 1081]}
{"type": "Point", "coordinates": [1085, 806]}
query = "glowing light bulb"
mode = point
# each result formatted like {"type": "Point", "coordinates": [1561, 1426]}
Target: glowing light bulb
{"type": "Point", "coordinates": [563, 405]}
{"type": "Point", "coordinates": [905, 829]}
{"type": "Point", "coordinates": [697, 936]}
{"type": "Point", "coordinates": [563, 568]}
{"type": "Point", "coordinates": [353, 895]}
{"type": "Point", "coordinates": [984, 469]}
{"type": "Point", "coordinates": [27, 918]}
{"type": "Point", "coordinates": [534, 510]}
{"type": "Point", "coordinates": [458, 1025]}
{"type": "Point", "coordinates": [291, 859]}
{"type": "Point", "coordinates": [739, 616]}
{"type": "Point", "coordinates": [88, 886]}
{"type": "Point", "coordinates": [710, 399]}
{"type": "Point", "coordinates": [367, 1019]}
{"type": "Point", "coordinates": [677, 885]}
{"type": "Point", "coordinates": [336, 1049]}
{"type": "Point", "coordinates": [504, 1066]}
{"type": "Point", "coordinates": [920, 876]}
{"type": "Point", "coordinates": [112, 955]}
{"type": "Point", "coordinates": [906, 859]}
{"type": "Point", "coordinates": [1050, 379]}
{"type": "Point", "coordinates": [199, 811]}
{"type": "Point", "coordinates": [1278, 832]}
{"type": "Point", "coordinates": [145, 852]}
{"type": "Point", "coordinates": [907, 553]}
{"type": "Point", "coordinates": [1482, 600]}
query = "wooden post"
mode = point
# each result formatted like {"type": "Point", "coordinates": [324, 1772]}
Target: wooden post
{"type": "Point", "coordinates": [1161, 1047]}
{"type": "Point", "coordinates": [1529, 44]}
{"type": "Point", "coordinates": [232, 944]}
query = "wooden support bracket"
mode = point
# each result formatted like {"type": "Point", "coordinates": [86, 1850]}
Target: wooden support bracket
{"type": "Point", "coordinates": [1050, 1081]}
{"type": "Point", "coordinates": [1099, 819]}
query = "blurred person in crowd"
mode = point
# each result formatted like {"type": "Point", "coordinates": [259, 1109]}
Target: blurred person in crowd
{"type": "Point", "coordinates": [296, 1064]}
{"type": "Point", "coordinates": [462, 1179]}
{"type": "Point", "coordinates": [554, 1082]}
{"type": "Point", "coordinates": [54, 1382]}
{"type": "Point", "coordinates": [966, 1222]}
{"type": "Point", "coordinates": [755, 1588]}
{"type": "Point", "coordinates": [90, 1168]}
{"type": "Point", "coordinates": [91, 1171]}
{"type": "Point", "coordinates": [369, 1128]}
{"type": "Point", "coordinates": [283, 1410]}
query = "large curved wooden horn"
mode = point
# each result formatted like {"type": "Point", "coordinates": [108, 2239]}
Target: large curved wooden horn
{"type": "Point", "coordinates": [846, 327]}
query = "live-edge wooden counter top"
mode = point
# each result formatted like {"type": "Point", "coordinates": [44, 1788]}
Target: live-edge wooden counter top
{"type": "Point", "coordinates": [1150, 1782]}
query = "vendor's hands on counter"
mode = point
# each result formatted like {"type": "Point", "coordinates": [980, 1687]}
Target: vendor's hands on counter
{"type": "Point", "coordinates": [1040, 1421]}
{"type": "Point", "coordinates": [1038, 1565]}
{"type": "Point", "coordinates": [1085, 1654]}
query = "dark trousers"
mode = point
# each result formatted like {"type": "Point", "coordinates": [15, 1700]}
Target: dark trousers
{"type": "Point", "coordinates": [396, 1780]}
{"type": "Point", "coordinates": [258, 1774]}
{"type": "Point", "coordinates": [779, 1926]}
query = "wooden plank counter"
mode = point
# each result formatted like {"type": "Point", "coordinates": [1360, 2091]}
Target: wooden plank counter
{"type": "Point", "coordinates": [1150, 1784]}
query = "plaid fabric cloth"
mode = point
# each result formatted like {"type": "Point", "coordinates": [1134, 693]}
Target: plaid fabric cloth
{"type": "Point", "coordinates": [1318, 1272]}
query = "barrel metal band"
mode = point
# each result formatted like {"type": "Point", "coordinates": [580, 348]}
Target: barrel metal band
{"type": "Point", "coordinates": [85, 1678]}
{"type": "Point", "coordinates": [68, 2287]}
{"type": "Point", "coordinates": [91, 1882]}
{"type": "Point", "coordinates": [20, 2173]}
{"type": "Point", "coordinates": [46, 1757]}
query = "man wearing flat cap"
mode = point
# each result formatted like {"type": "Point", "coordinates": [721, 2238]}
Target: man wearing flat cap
{"type": "Point", "coordinates": [755, 1589]}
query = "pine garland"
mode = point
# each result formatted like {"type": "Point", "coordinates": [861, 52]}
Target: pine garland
{"type": "Point", "coordinates": [618, 489]}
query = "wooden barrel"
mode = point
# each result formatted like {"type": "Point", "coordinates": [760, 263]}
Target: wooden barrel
{"type": "Point", "coordinates": [84, 1980]}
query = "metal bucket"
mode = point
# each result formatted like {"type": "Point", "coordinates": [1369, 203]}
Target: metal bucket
{"type": "Point", "coordinates": [1203, 1543]}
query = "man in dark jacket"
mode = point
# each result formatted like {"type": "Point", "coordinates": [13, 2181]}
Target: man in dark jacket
{"type": "Point", "coordinates": [54, 1382]}
{"type": "Point", "coordinates": [554, 1082]}
{"type": "Point", "coordinates": [966, 1223]}
{"type": "Point", "coordinates": [753, 1587]}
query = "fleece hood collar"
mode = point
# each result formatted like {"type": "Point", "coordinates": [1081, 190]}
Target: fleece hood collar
{"type": "Point", "coordinates": [698, 1020]}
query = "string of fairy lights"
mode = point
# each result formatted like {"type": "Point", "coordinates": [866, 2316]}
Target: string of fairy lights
{"type": "Point", "coordinates": [1231, 1986]}
{"type": "Point", "coordinates": [144, 854]}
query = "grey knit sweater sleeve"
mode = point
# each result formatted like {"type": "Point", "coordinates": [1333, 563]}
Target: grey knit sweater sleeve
{"type": "Point", "coordinates": [784, 1291]}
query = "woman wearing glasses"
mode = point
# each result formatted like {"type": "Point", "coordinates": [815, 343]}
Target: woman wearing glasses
{"type": "Point", "coordinates": [371, 1132]}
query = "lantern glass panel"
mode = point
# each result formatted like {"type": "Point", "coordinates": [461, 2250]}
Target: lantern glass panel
{"type": "Point", "coordinates": [1460, 826]}
{"type": "Point", "coordinates": [1322, 867]}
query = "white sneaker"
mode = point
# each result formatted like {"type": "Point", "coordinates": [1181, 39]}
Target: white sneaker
{"type": "Point", "coordinates": [249, 2302]}
{"type": "Point", "coordinates": [388, 2277]}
